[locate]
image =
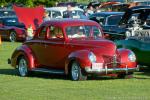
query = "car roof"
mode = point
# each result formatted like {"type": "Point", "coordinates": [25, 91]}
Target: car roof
{"type": "Point", "coordinates": [6, 10]}
{"type": "Point", "coordinates": [9, 17]}
{"type": "Point", "coordinates": [69, 22]}
{"type": "Point", "coordinates": [108, 13]}
{"type": "Point", "coordinates": [138, 8]}
{"type": "Point", "coordinates": [61, 9]}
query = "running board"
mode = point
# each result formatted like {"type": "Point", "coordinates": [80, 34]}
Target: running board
{"type": "Point", "coordinates": [51, 71]}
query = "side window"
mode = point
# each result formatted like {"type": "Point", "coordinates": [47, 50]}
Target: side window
{"type": "Point", "coordinates": [49, 14]}
{"type": "Point", "coordinates": [56, 14]}
{"type": "Point", "coordinates": [96, 31]}
{"type": "Point", "coordinates": [42, 33]}
{"type": "Point", "coordinates": [55, 32]}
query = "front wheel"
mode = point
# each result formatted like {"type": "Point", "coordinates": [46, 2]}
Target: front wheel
{"type": "Point", "coordinates": [12, 36]}
{"type": "Point", "coordinates": [23, 67]}
{"type": "Point", "coordinates": [76, 72]}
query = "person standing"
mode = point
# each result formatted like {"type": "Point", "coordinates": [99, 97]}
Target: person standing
{"type": "Point", "coordinates": [46, 16]}
{"type": "Point", "coordinates": [68, 12]}
{"type": "Point", "coordinates": [29, 33]}
{"type": "Point", "coordinates": [90, 10]}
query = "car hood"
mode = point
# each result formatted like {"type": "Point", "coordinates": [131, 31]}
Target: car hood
{"type": "Point", "coordinates": [143, 12]}
{"type": "Point", "coordinates": [98, 46]}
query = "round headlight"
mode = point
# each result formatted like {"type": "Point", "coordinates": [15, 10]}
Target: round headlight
{"type": "Point", "coordinates": [92, 57]}
{"type": "Point", "coordinates": [132, 57]}
{"type": "Point", "coordinates": [128, 33]}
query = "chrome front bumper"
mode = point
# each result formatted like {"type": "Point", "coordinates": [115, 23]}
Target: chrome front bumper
{"type": "Point", "coordinates": [111, 70]}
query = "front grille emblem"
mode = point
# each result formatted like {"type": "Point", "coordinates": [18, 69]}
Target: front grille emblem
{"type": "Point", "coordinates": [114, 61]}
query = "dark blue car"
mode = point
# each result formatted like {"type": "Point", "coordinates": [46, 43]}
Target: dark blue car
{"type": "Point", "coordinates": [109, 22]}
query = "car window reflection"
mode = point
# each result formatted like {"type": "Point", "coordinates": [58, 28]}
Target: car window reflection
{"type": "Point", "coordinates": [83, 31]}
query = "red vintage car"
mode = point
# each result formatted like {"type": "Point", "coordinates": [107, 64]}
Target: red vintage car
{"type": "Point", "coordinates": [73, 47]}
{"type": "Point", "coordinates": [11, 29]}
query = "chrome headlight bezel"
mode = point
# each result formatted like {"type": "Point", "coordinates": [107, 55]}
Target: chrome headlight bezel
{"type": "Point", "coordinates": [132, 57]}
{"type": "Point", "coordinates": [128, 33]}
{"type": "Point", "coordinates": [92, 57]}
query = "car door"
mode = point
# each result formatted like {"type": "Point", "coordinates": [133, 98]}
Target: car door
{"type": "Point", "coordinates": [37, 46]}
{"type": "Point", "coordinates": [54, 47]}
{"type": "Point", "coordinates": [49, 49]}
{"type": "Point", "coordinates": [143, 53]}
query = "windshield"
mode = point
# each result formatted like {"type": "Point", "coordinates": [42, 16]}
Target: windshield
{"type": "Point", "coordinates": [7, 13]}
{"type": "Point", "coordinates": [73, 14]}
{"type": "Point", "coordinates": [114, 20]}
{"type": "Point", "coordinates": [83, 31]}
{"type": "Point", "coordinates": [12, 22]}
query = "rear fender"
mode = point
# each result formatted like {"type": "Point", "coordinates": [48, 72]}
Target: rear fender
{"type": "Point", "coordinates": [23, 51]}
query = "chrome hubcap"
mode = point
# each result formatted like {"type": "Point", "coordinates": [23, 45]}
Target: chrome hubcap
{"type": "Point", "coordinates": [22, 67]}
{"type": "Point", "coordinates": [12, 36]}
{"type": "Point", "coordinates": [75, 71]}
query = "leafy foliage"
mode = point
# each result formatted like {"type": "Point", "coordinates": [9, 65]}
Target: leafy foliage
{"type": "Point", "coordinates": [29, 3]}
{"type": "Point", "coordinates": [47, 3]}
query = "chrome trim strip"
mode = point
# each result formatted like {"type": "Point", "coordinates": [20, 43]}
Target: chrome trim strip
{"type": "Point", "coordinates": [48, 71]}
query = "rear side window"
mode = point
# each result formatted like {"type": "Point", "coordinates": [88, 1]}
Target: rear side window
{"type": "Point", "coordinates": [55, 33]}
{"type": "Point", "coordinates": [42, 33]}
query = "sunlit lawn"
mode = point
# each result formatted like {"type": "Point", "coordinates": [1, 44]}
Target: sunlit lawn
{"type": "Point", "coordinates": [49, 87]}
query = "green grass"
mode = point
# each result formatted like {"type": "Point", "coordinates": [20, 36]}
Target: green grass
{"type": "Point", "coordinates": [48, 87]}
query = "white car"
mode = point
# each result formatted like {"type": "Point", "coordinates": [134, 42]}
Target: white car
{"type": "Point", "coordinates": [58, 12]}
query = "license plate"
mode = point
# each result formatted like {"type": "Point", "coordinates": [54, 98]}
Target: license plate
{"type": "Point", "coordinates": [97, 66]}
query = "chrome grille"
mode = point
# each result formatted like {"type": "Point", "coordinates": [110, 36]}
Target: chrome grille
{"type": "Point", "coordinates": [111, 61]}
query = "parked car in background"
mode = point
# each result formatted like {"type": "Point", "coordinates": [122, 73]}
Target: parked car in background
{"type": "Point", "coordinates": [11, 29]}
{"type": "Point", "coordinates": [58, 12]}
{"type": "Point", "coordinates": [73, 47]}
{"type": "Point", "coordinates": [109, 22]}
{"type": "Point", "coordinates": [119, 25]}
{"type": "Point", "coordinates": [138, 35]}
{"type": "Point", "coordinates": [7, 12]}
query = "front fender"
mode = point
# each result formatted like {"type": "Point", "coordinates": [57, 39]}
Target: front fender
{"type": "Point", "coordinates": [80, 56]}
{"type": "Point", "coordinates": [124, 57]}
{"type": "Point", "coordinates": [23, 51]}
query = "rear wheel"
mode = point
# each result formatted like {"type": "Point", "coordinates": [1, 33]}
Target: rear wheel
{"type": "Point", "coordinates": [76, 72]}
{"type": "Point", "coordinates": [23, 67]}
{"type": "Point", "coordinates": [12, 36]}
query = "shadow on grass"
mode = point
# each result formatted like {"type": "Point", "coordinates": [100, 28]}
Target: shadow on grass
{"type": "Point", "coordinates": [64, 77]}
{"type": "Point", "coordinates": [8, 71]}
{"type": "Point", "coordinates": [145, 70]}
{"type": "Point", "coordinates": [51, 76]}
